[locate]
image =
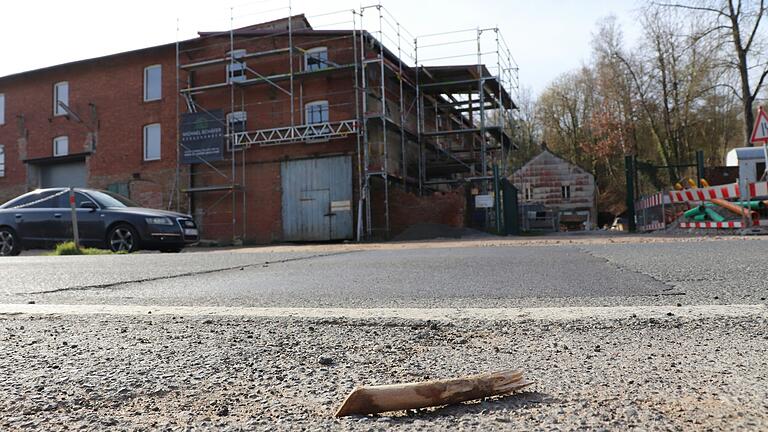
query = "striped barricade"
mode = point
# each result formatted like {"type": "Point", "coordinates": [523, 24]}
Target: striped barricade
{"type": "Point", "coordinates": [721, 225]}
{"type": "Point", "coordinates": [650, 212]}
{"type": "Point", "coordinates": [703, 194]}
{"type": "Point", "coordinates": [759, 189]}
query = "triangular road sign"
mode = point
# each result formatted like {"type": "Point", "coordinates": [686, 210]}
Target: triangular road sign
{"type": "Point", "coordinates": [760, 131]}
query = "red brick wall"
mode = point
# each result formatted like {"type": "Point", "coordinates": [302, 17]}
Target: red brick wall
{"type": "Point", "coordinates": [114, 86]}
{"type": "Point", "coordinates": [406, 209]}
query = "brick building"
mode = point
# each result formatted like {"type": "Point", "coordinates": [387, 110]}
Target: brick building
{"type": "Point", "coordinates": [313, 143]}
{"type": "Point", "coordinates": [550, 185]}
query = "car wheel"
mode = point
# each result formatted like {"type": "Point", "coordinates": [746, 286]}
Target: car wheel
{"type": "Point", "coordinates": [9, 242]}
{"type": "Point", "coordinates": [123, 238]}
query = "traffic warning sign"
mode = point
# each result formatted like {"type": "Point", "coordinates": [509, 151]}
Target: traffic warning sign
{"type": "Point", "coordinates": [760, 131]}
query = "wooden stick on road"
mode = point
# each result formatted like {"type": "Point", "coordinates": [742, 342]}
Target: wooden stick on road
{"type": "Point", "coordinates": [396, 397]}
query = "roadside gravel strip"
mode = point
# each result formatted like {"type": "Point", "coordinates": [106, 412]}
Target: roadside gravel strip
{"type": "Point", "coordinates": [686, 368]}
{"type": "Point", "coordinates": [424, 314]}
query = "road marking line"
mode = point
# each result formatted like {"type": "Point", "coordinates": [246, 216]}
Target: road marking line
{"type": "Point", "coordinates": [440, 314]}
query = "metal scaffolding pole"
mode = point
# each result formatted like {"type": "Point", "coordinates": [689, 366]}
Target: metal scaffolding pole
{"type": "Point", "coordinates": [290, 60]}
{"type": "Point", "coordinates": [232, 109]}
{"type": "Point", "coordinates": [419, 102]}
{"type": "Point", "coordinates": [384, 141]}
{"type": "Point", "coordinates": [177, 192]}
{"type": "Point", "coordinates": [361, 120]}
{"type": "Point", "coordinates": [404, 168]}
{"type": "Point", "coordinates": [365, 132]}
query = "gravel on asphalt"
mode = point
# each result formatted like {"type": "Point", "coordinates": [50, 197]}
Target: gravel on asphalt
{"type": "Point", "coordinates": [160, 372]}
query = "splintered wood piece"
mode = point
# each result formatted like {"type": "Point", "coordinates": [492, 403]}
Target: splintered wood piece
{"type": "Point", "coordinates": [396, 397]}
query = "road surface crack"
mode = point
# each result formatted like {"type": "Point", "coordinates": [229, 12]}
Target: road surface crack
{"type": "Point", "coordinates": [186, 274]}
{"type": "Point", "coordinates": [665, 292]}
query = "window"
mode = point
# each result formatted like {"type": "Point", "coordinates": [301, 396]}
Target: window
{"type": "Point", "coordinates": [528, 192]}
{"type": "Point", "coordinates": [316, 59]}
{"type": "Point", "coordinates": [236, 121]}
{"type": "Point", "coordinates": [153, 76]}
{"type": "Point", "coordinates": [152, 142]}
{"type": "Point", "coordinates": [565, 191]}
{"type": "Point", "coordinates": [316, 112]}
{"type": "Point", "coordinates": [60, 94]}
{"type": "Point", "coordinates": [120, 189]}
{"type": "Point", "coordinates": [61, 146]}
{"type": "Point", "coordinates": [2, 161]}
{"type": "Point", "coordinates": [236, 67]}
{"type": "Point", "coordinates": [2, 108]}
{"type": "Point", "coordinates": [38, 200]}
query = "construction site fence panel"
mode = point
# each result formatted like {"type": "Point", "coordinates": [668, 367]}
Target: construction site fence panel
{"type": "Point", "coordinates": [653, 212]}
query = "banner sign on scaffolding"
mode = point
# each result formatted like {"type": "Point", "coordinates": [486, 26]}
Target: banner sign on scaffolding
{"type": "Point", "coordinates": [202, 136]}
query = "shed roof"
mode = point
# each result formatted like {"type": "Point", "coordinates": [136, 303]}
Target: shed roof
{"type": "Point", "coordinates": [548, 153]}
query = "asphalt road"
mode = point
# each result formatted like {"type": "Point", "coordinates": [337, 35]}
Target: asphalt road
{"type": "Point", "coordinates": [663, 335]}
{"type": "Point", "coordinates": [720, 272]}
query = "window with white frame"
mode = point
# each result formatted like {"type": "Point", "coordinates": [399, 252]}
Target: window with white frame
{"type": "Point", "coordinates": [152, 142]}
{"type": "Point", "coordinates": [153, 76]}
{"type": "Point", "coordinates": [2, 160]}
{"type": "Point", "coordinates": [60, 96]}
{"type": "Point", "coordinates": [316, 112]}
{"type": "Point", "coordinates": [316, 59]}
{"type": "Point", "coordinates": [236, 67]}
{"type": "Point", "coordinates": [61, 146]}
{"type": "Point", "coordinates": [527, 192]}
{"type": "Point", "coordinates": [2, 108]}
{"type": "Point", "coordinates": [565, 191]}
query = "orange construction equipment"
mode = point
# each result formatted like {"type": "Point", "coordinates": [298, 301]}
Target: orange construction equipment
{"type": "Point", "coordinates": [739, 210]}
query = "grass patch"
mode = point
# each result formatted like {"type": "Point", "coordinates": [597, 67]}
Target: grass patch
{"type": "Point", "coordinates": [532, 233]}
{"type": "Point", "coordinates": [68, 248]}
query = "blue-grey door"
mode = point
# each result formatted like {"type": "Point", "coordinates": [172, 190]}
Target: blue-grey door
{"type": "Point", "coordinates": [317, 199]}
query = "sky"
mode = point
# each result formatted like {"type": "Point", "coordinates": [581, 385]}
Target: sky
{"type": "Point", "coordinates": [545, 37]}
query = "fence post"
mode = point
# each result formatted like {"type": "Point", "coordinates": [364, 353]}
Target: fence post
{"type": "Point", "coordinates": [629, 171]}
{"type": "Point", "coordinates": [72, 207]}
{"type": "Point", "coordinates": [699, 166]}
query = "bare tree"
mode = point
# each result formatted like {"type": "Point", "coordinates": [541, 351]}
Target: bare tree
{"type": "Point", "coordinates": [741, 23]}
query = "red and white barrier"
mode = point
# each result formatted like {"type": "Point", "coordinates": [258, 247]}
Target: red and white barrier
{"type": "Point", "coordinates": [704, 194]}
{"type": "Point", "coordinates": [653, 226]}
{"type": "Point", "coordinates": [758, 189]}
{"type": "Point", "coordinates": [720, 225]}
{"type": "Point", "coordinates": [654, 200]}
{"type": "Point", "coordinates": [716, 225]}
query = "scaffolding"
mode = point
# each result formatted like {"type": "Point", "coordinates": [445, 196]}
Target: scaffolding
{"type": "Point", "coordinates": [268, 81]}
{"type": "Point", "coordinates": [416, 119]}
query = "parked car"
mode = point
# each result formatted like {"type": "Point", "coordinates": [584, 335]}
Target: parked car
{"type": "Point", "coordinates": [105, 220]}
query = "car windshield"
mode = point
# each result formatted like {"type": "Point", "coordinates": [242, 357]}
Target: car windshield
{"type": "Point", "coordinates": [111, 200]}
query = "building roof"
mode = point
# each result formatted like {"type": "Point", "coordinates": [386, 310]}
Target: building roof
{"type": "Point", "coordinates": [744, 153]}
{"type": "Point", "coordinates": [548, 153]}
{"type": "Point", "coordinates": [295, 22]}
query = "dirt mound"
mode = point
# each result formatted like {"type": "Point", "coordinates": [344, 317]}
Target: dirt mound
{"type": "Point", "coordinates": [426, 231]}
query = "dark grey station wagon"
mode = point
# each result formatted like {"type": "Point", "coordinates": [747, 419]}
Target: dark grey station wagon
{"type": "Point", "coordinates": [105, 220]}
